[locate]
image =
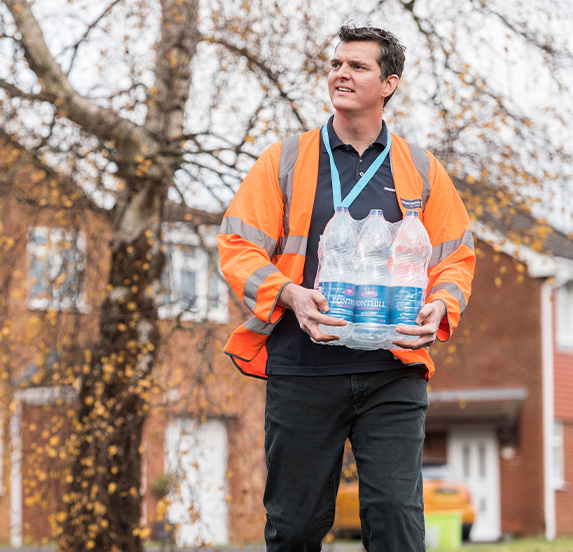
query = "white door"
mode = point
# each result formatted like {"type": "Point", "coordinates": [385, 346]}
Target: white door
{"type": "Point", "coordinates": [474, 454]}
{"type": "Point", "coordinates": [196, 454]}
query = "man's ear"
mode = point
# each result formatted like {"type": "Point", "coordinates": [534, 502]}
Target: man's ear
{"type": "Point", "coordinates": [390, 84]}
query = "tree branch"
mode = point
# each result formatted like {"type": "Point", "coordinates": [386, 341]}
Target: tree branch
{"type": "Point", "coordinates": [253, 60]}
{"type": "Point", "coordinates": [102, 122]}
{"type": "Point", "coordinates": [176, 48]}
{"type": "Point", "coordinates": [89, 29]}
{"type": "Point", "coordinates": [31, 158]}
{"type": "Point", "coordinates": [15, 92]}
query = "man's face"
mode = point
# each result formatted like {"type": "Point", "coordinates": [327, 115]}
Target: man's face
{"type": "Point", "coordinates": [354, 82]}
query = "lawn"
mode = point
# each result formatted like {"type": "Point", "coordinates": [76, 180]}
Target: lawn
{"type": "Point", "coordinates": [518, 545]}
{"type": "Point", "coordinates": [523, 545]}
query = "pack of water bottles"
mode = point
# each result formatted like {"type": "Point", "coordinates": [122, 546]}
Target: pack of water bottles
{"type": "Point", "coordinates": [374, 276]}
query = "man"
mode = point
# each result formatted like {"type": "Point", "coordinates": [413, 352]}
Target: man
{"type": "Point", "coordinates": [317, 395]}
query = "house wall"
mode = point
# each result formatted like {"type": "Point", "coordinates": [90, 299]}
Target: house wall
{"type": "Point", "coordinates": [498, 345]}
{"type": "Point", "coordinates": [43, 470]}
{"type": "Point", "coordinates": [564, 496]}
{"type": "Point", "coordinates": [188, 385]}
{"type": "Point", "coordinates": [224, 393]}
{"type": "Point", "coordinates": [563, 373]}
{"type": "Point", "coordinates": [29, 338]}
{"type": "Point", "coordinates": [436, 445]}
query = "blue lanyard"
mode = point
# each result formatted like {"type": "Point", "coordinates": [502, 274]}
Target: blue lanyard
{"type": "Point", "coordinates": [361, 184]}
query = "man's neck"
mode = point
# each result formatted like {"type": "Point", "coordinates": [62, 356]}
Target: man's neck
{"type": "Point", "coordinates": [358, 133]}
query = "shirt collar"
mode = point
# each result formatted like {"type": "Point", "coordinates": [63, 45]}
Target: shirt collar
{"type": "Point", "coordinates": [336, 142]}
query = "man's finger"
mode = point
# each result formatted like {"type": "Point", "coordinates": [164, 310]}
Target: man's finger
{"type": "Point", "coordinates": [320, 301]}
{"type": "Point", "coordinates": [329, 320]}
{"type": "Point", "coordinates": [321, 337]}
{"type": "Point", "coordinates": [416, 344]}
{"type": "Point", "coordinates": [411, 330]}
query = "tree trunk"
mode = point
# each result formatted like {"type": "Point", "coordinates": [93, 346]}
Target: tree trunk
{"type": "Point", "coordinates": [104, 502]}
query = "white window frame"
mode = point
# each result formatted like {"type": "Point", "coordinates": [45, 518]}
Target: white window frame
{"type": "Point", "coordinates": [52, 248]}
{"type": "Point", "coordinates": [176, 237]}
{"type": "Point", "coordinates": [558, 456]}
{"type": "Point", "coordinates": [564, 308]}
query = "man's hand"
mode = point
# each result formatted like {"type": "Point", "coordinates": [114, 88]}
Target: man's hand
{"type": "Point", "coordinates": [306, 305]}
{"type": "Point", "coordinates": [428, 321]}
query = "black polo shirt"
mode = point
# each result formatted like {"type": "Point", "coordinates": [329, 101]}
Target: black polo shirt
{"type": "Point", "coordinates": [290, 350]}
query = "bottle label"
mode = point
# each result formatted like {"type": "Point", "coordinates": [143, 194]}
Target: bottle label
{"type": "Point", "coordinates": [371, 305]}
{"type": "Point", "coordinates": [405, 304]}
{"type": "Point", "coordinates": [340, 297]}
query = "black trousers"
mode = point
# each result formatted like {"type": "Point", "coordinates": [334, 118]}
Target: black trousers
{"type": "Point", "coordinates": [307, 422]}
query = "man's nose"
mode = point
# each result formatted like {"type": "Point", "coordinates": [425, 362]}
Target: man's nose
{"type": "Point", "coordinates": [344, 71]}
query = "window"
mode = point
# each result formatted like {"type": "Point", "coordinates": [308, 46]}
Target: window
{"type": "Point", "coordinates": [193, 288]}
{"type": "Point", "coordinates": [564, 307]}
{"type": "Point", "coordinates": [558, 456]}
{"type": "Point", "coordinates": [56, 265]}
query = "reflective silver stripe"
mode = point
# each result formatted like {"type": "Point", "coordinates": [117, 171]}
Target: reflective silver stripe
{"type": "Point", "coordinates": [252, 285]}
{"type": "Point", "coordinates": [289, 155]}
{"type": "Point", "coordinates": [442, 250]}
{"type": "Point", "coordinates": [293, 245]}
{"type": "Point", "coordinates": [452, 289]}
{"type": "Point", "coordinates": [234, 225]}
{"type": "Point", "coordinates": [258, 326]}
{"type": "Point", "coordinates": [422, 164]}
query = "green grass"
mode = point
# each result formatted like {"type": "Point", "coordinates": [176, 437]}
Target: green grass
{"type": "Point", "coordinates": [524, 545]}
{"type": "Point", "coordinates": [536, 544]}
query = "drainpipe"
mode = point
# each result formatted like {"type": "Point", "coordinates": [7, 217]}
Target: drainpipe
{"type": "Point", "coordinates": [548, 397]}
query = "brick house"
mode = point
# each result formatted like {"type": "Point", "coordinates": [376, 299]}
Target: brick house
{"type": "Point", "coordinates": [500, 408]}
{"type": "Point", "coordinates": [202, 461]}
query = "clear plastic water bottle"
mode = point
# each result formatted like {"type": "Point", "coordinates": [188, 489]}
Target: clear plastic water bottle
{"type": "Point", "coordinates": [411, 251]}
{"type": "Point", "coordinates": [335, 278]}
{"type": "Point", "coordinates": [372, 299]}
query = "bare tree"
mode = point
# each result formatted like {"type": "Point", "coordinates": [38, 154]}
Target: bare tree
{"type": "Point", "coordinates": [137, 163]}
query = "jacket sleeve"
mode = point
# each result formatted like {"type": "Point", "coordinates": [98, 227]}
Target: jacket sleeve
{"type": "Point", "coordinates": [452, 264]}
{"type": "Point", "coordinates": [248, 237]}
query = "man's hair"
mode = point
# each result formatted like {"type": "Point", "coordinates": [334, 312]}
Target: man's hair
{"type": "Point", "coordinates": [391, 55]}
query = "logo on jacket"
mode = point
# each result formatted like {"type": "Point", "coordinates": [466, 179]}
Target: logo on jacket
{"type": "Point", "coordinates": [410, 204]}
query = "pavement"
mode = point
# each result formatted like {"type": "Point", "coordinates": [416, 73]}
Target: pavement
{"type": "Point", "coordinates": [338, 546]}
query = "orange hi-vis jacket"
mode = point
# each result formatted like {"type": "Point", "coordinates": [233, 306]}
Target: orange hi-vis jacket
{"type": "Point", "coordinates": [263, 236]}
